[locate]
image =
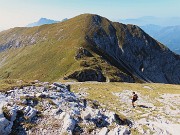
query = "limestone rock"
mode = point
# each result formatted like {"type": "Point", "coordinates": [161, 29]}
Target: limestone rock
{"type": "Point", "coordinates": [29, 112]}
{"type": "Point", "coordinates": [68, 124]}
{"type": "Point", "coordinates": [62, 115]}
{"type": "Point", "coordinates": [103, 131]}
{"type": "Point", "coordinates": [113, 117]}
{"type": "Point", "coordinates": [5, 125]}
{"type": "Point", "coordinates": [119, 131]}
{"type": "Point", "coordinates": [85, 115]}
{"type": "Point", "coordinates": [13, 113]}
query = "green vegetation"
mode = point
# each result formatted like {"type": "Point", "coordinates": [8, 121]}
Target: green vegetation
{"type": "Point", "coordinates": [46, 60]}
{"type": "Point", "coordinates": [6, 113]}
{"type": "Point", "coordinates": [34, 99]}
{"type": "Point", "coordinates": [89, 128]}
{"type": "Point", "coordinates": [7, 84]}
{"type": "Point", "coordinates": [135, 132]}
{"type": "Point", "coordinates": [103, 93]}
{"type": "Point", "coordinates": [51, 102]}
{"type": "Point", "coordinates": [47, 52]}
{"type": "Point", "coordinates": [39, 107]}
{"type": "Point", "coordinates": [112, 73]}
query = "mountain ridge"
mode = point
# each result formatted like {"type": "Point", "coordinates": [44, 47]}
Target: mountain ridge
{"type": "Point", "coordinates": [118, 52]}
{"type": "Point", "coordinates": [168, 21]}
{"type": "Point", "coordinates": [167, 35]}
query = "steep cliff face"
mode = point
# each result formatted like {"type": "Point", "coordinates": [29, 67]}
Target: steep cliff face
{"type": "Point", "coordinates": [131, 48]}
{"type": "Point", "coordinates": [113, 52]}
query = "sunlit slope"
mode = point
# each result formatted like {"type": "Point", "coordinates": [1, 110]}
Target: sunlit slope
{"type": "Point", "coordinates": [49, 57]}
{"type": "Point", "coordinates": [86, 48]}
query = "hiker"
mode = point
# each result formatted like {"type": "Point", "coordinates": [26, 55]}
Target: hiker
{"type": "Point", "coordinates": [134, 98]}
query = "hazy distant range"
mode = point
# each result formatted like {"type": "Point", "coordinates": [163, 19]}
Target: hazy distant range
{"type": "Point", "coordinates": [165, 30]}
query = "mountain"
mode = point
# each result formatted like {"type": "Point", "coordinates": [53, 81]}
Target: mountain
{"type": "Point", "coordinates": [169, 36]}
{"type": "Point", "coordinates": [42, 21]}
{"type": "Point", "coordinates": [65, 19]}
{"type": "Point", "coordinates": [146, 20]}
{"type": "Point", "coordinates": [86, 48]}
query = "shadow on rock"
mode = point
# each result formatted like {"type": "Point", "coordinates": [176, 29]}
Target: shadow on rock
{"type": "Point", "coordinates": [144, 106]}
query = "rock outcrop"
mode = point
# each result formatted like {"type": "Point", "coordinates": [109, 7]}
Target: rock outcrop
{"type": "Point", "coordinates": [5, 124]}
{"type": "Point", "coordinates": [53, 109]}
{"type": "Point", "coordinates": [88, 75]}
{"type": "Point", "coordinates": [131, 48]}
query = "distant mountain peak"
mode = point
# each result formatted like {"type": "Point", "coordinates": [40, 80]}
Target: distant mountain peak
{"type": "Point", "coordinates": [42, 21]}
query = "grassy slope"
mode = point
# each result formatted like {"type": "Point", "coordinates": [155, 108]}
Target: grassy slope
{"type": "Point", "coordinates": [49, 50]}
{"type": "Point", "coordinates": [103, 93]}
{"type": "Point", "coordinates": [8, 84]}
{"type": "Point", "coordinates": [52, 55]}
{"type": "Point", "coordinates": [46, 60]}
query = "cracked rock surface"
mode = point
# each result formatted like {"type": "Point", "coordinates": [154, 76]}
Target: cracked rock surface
{"type": "Point", "coordinates": [51, 109]}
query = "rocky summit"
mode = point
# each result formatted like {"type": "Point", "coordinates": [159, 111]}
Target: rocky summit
{"type": "Point", "coordinates": [86, 48]}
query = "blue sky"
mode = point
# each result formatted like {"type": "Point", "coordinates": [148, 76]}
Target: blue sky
{"type": "Point", "coordinates": [21, 12]}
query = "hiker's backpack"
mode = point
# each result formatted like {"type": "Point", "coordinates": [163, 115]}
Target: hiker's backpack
{"type": "Point", "coordinates": [135, 97]}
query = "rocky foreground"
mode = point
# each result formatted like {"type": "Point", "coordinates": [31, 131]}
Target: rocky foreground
{"type": "Point", "coordinates": [53, 109]}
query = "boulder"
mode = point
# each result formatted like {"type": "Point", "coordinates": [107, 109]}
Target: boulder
{"type": "Point", "coordinates": [5, 125]}
{"type": "Point", "coordinates": [104, 131]}
{"type": "Point", "coordinates": [24, 101]}
{"type": "Point", "coordinates": [119, 131]}
{"type": "Point", "coordinates": [113, 117]}
{"type": "Point", "coordinates": [38, 94]}
{"type": "Point", "coordinates": [82, 52]}
{"type": "Point", "coordinates": [85, 114]}
{"type": "Point", "coordinates": [68, 124]}
{"type": "Point", "coordinates": [29, 112]}
{"type": "Point", "coordinates": [36, 81]}
{"type": "Point", "coordinates": [42, 95]}
{"type": "Point", "coordinates": [62, 115]}
{"type": "Point", "coordinates": [13, 113]}
{"type": "Point", "coordinates": [88, 75]}
{"type": "Point", "coordinates": [114, 131]}
{"type": "Point", "coordinates": [57, 84]}
{"type": "Point", "coordinates": [46, 83]}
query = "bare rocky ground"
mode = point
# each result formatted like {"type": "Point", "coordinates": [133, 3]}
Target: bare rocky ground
{"type": "Point", "coordinates": [52, 109]}
{"type": "Point", "coordinates": [155, 119]}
